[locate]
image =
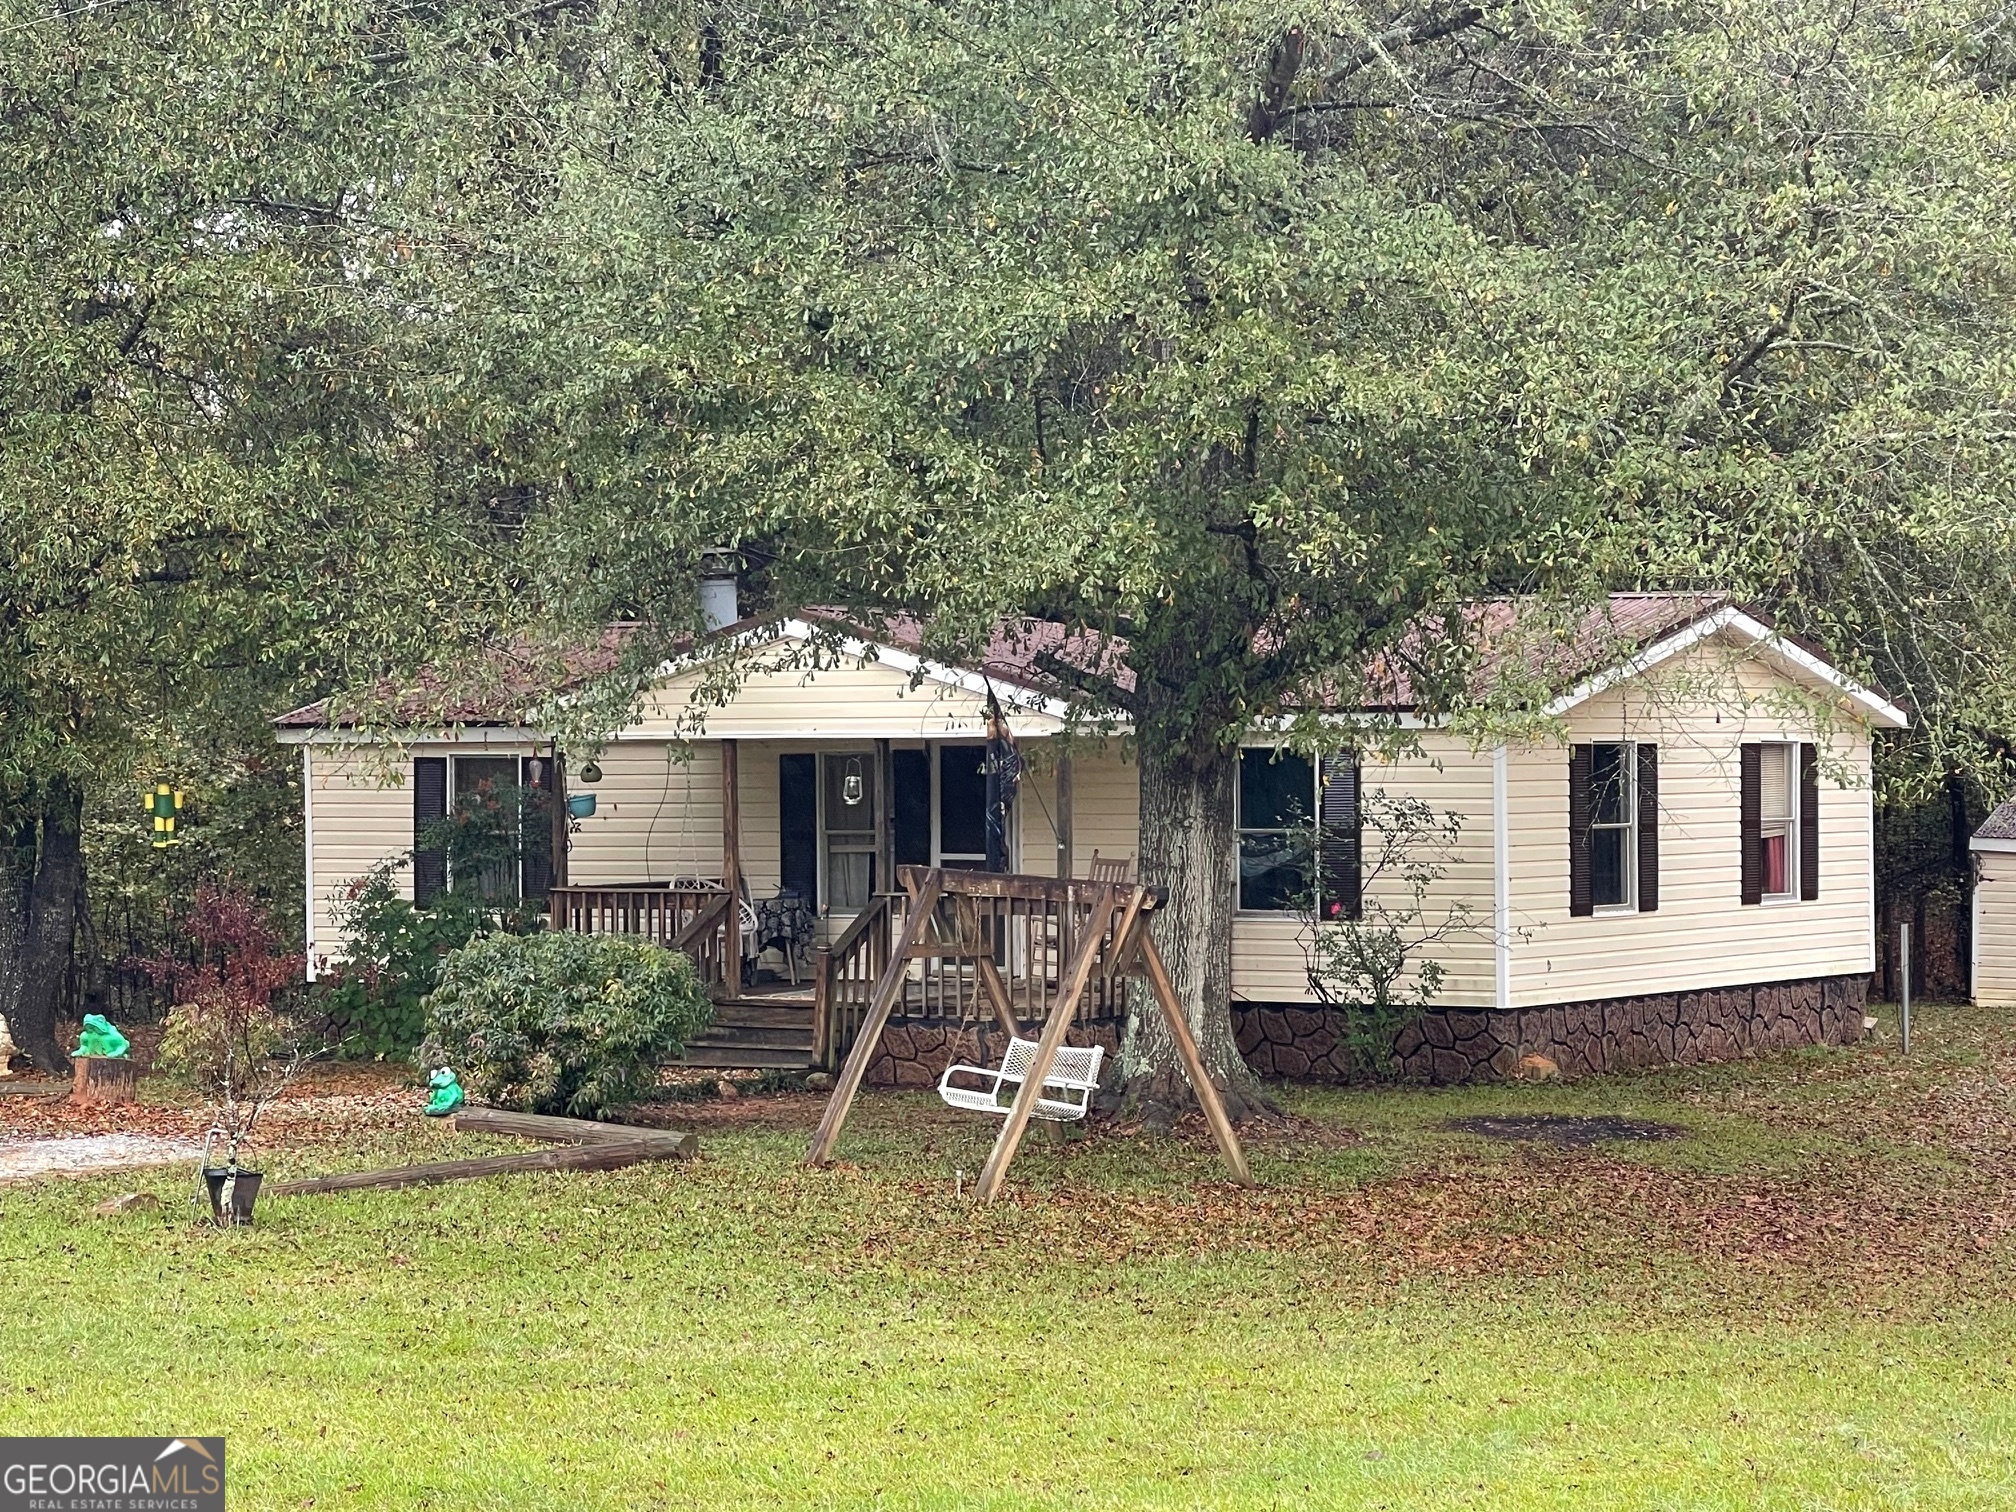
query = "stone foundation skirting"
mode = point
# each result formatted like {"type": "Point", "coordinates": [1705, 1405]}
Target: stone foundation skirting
{"type": "Point", "coordinates": [916, 1054]}
{"type": "Point", "coordinates": [1450, 1045]}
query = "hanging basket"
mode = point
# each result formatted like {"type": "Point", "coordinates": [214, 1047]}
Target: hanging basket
{"type": "Point", "coordinates": [580, 805]}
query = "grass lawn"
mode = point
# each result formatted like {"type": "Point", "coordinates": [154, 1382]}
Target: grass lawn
{"type": "Point", "coordinates": [1806, 1303]}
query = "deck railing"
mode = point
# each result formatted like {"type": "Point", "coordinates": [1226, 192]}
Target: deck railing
{"type": "Point", "coordinates": [1020, 931]}
{"type": "Point", "coordinates": [681, 918]}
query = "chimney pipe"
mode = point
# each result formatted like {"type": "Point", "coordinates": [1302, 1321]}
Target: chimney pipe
{"type": "Point", "coordinates": [720, 602]}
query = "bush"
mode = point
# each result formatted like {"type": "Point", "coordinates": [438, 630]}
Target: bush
{"type": "Point", "coordinates": [562, 1023]}
{"type": "Point", "coordinates": [370, 1001]}
{"type": "Point", "coordinates": [225, 1035]}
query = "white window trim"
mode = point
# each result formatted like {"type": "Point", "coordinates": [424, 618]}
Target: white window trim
{"type": "Point", "coordinates": [1240, 830]}
{"type": "Point", "coordinates": [1629, 827]}
{"type": "Point", "coordinates": [1795, 839]}
{"type": "Point", "coordinates": [517, 760]}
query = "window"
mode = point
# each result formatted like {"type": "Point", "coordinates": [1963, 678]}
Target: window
{"type": "Point", "coordinates": [1613, 826]}
{"type": "Point", "coordinates": [1778, 820]}
{"type": "Point", "coordinates": [485, 815]}
{"type": "Point", "coordinates": [1296, 838]}
{"type": "Point", "coordinates": [1277, 804]}
{"type": "Point", "coordinates": [847, 804]}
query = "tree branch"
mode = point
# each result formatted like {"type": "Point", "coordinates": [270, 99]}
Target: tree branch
{"type": "Point", "coordinates": [1412, 34]}
{"type": "Point", "coordinates": [1092, 684]}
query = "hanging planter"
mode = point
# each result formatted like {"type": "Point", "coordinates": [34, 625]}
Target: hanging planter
{"type": "Point", "coordinates": [580, 805]}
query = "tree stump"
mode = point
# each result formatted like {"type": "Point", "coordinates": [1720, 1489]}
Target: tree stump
{"type": "Point", "coordinates": [104, 1079]}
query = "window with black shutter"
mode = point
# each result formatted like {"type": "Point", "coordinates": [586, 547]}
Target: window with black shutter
{"type": "Point", "coordinates": [430, 808]}
{"type": "Point", "coordinates": [1339, 839]}
{"type": "Point", "coordinates": [1276, 806]}
{"type": "Point", "coordinates": [1809, 823]}
{"type": "Point", "coordinates": [1750, 822]}
{"type": "Point", "coordinates": [1581, 892]}
{"type": "Point", "coordinates": [1648, 829]}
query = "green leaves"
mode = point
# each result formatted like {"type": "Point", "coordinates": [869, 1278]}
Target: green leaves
{"type": "Point", "coordinates": [563, 1023]}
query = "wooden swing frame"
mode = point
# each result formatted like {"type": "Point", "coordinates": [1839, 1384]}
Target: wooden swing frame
{"type": "Point", "coordinates": [1122, 909]}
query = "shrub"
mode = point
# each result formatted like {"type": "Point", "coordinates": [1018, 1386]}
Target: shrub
{"type": "Point", "coordinates": [371, 1000]}
{"type": "Point", "coordinates": [562, 1023]}
{"type": "Point", "coordinates": [225, 1036]}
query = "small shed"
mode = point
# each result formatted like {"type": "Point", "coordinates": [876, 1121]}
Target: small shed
{"type": "Point", "coordinates": [1994, 848]}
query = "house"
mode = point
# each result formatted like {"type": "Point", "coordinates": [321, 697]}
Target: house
{"type": "Point", "coordinates": [1682, 871]}
{"type": "Point", "coordinates": [1994, 931]}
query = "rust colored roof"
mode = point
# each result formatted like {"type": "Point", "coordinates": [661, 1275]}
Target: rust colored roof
{"type": "Point", "coordinates": [1518, 638]}
{"type": "Point", "coordinates": [1018, 651]}
{"type": "Point", "coordinates": [506, 682]}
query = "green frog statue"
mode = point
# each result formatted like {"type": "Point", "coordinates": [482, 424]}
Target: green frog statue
{"type": "Point", "coordinates": [446, 1096]}
{"type": "Point", "coordinates": [101, 1040]}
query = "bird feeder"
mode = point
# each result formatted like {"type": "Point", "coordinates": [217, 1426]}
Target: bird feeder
{"type": "Point", "coordinates": [164, 805]}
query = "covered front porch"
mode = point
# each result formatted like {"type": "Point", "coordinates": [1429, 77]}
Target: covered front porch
{"type": "Point", "coordinates": [793, 921]}
{"type": "Point", "coordinates": [1001, 942]}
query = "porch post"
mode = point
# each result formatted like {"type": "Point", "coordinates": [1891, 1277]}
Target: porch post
{"type": "Point", "coordinates": [885, 823]}
{"type": "Point", "coordinates": [1064, 859]}
{"type": "Point", "coordinates": [731, 864]}
{"type": "Point", "coordinates": [556, 804]}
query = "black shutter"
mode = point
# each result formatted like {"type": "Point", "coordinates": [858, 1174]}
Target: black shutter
{"type": "Point", "coordinates": [430, 807]}
{"type": "Point", "coordinates": [798, 826]}
{"type": "Point", "coordinates": [535, 826]}
{"type": "Point", "coordinates": [910, 806]}
{"type": "Point", "coordinates": [1648, 829]}
{"type": "Point", "coordinates": [1581, 889]}
{"type": "Point", "coordinates": [1809, 822]}
{"type": "Point", "coordinates": [1750, 814]}
{"type": "Point", "coordinates": [1339, 839]}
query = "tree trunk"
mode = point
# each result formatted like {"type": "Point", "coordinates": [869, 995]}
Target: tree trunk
{"type": "Point", "coordinates": [41, 881]}
{"type": "Point", "coordinates": [1189, 847]}
{"type": "Point", "coordinates": [17, 880]}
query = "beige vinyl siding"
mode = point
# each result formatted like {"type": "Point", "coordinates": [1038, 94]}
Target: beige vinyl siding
{"type": "Point", "coordinates": [1105, 807]}
{"type": "Point", "coordinates": [360, 819]}
{"type": "Point", "coordinates": [361, 815]}
{"type": "Point", "coordinates": [827, 703]}
{"type": "Point", "coordinates": [1995, 931]}
{"type": "Point", "coordinates": [657, 815]}
{"type": "Point", "coordinates": [1035, 814]}
{"type": "Point", "coordinates": [1270, 952]}
{"type": "Point", "coordinates": [1702, 934]}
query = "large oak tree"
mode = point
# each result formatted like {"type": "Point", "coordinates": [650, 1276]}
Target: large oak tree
{"type": "Point", "coordinates": [1253, 336]}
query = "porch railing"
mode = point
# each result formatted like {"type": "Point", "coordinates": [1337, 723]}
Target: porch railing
{"type": "Point", "coordinates": [1023, 928]}
{"type": "Point", "coordinates": [681, 918]}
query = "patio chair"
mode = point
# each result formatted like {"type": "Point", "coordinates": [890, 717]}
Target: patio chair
{"type": "Point", "coordinates": [1119, 869]}
{"type": "Point", "coordinates": [786, 924]}
{"type": "Point", "coordinates": [1073, 1077]}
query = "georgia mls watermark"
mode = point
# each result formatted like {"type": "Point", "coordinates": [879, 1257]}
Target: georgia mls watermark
{"type": "Point", "coordinates": [111, 1475]}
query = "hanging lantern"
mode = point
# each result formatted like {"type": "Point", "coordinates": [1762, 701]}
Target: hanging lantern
{"type": "Point", "coordinates": [163, 804]}
{"type": "Point", "coordinates": [851, 789]}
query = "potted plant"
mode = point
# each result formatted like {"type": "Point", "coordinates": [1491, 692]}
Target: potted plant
{"type": "Point", "coordinates": [227, 1037]}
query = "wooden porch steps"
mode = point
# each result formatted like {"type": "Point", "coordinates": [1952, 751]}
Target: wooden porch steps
{"type": "Point", "coordinates": [754, 1034]}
